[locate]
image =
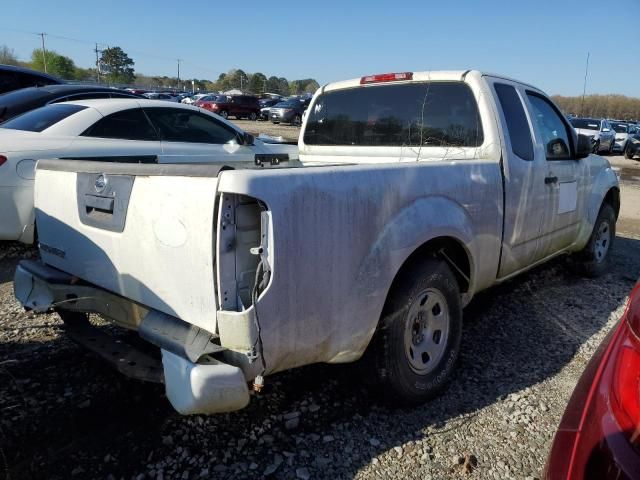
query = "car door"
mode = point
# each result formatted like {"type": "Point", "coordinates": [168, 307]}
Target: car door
{"type": "Point", "coordinates": [189, 136]}
{"type": "Point", "coordinates": [608, 133]}
{"type": "Point", "coordinates": [524, 187]}
{"type": "Point", "coordinates": [125, 136]}
{"type": "Point", "coordinates": [565, 179]}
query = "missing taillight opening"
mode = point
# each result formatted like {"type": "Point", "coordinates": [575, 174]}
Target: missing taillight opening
{"type": "Point", "coordinates": [3, 160]}
{"type": "Point", "coordinates": [386, 77]}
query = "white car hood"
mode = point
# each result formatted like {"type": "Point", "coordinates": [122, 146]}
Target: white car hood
{"type": "Point", "coordinates": [21, 141]}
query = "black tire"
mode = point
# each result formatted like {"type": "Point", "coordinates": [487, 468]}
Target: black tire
{"type": "Point", "coordinates": [253, 116]}
{"type": "Point", "coordinates": [297, 121]}
{"type": "Point", "coordinates": [594, 259]}
{"type": "Point", "coordinates": [628, 154]}
{"type": "Point", "coordinates": [224, 114]}
{"type": "Point", "coordinates": [596, 147]}
{"type": "Point", "coordinates": [275, 123]}
{"type": "Point", "coordinates": [392, 346]}
{"type": "Point", "coordinates": [73, 319]}
{"type": "Point", "coordinates": [611, 147]}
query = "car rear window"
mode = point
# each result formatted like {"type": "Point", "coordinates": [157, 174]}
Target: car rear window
{"type": "Point", "coordinates": [585, 123]}
{"type": "Point", "coordinates": [41, 118]}
{"type": "Point", "coordinates": [427, 114]}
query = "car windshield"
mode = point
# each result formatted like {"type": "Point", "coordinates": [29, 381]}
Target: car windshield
{"type": "Point", "coordinates": [42, 118]}
{"type": "Point", "coordinates": [585, 123]}
{"type": "Point", "coordinates": [620, 127]}
{"type": "Point", "coordinates": [288, 104]}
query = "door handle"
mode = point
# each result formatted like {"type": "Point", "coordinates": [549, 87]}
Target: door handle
{"type": "Point", "coordinates": [550, 180]}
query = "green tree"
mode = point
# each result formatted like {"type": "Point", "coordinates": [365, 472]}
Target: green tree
{"type": "Point", "coordinates": [117, 65]}
{"type": "Point", "coordinates": [273, 86]}
{"type": "Point", "coordinates": [57, 64]}
{"type": "Point", "coordinates": [7, 56]}
{"type": "Point", "coordinates": [257, 83]}
{"type": "Point", "coordinates": [306, 85]}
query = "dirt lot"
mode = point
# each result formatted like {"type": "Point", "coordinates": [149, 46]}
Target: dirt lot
{"type": "Point", "coordinates": [287, 132]}
{"type": "Point", "coordinates": [65, 414]}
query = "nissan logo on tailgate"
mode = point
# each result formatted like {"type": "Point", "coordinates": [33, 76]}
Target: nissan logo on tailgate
{"type": "Point", "coordinates": [101, 183]}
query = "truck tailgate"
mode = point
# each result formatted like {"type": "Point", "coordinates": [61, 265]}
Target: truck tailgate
{"type": "Point", "coordinates": [144, 232]}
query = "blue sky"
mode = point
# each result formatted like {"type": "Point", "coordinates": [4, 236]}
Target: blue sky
{"type": "Point", "coordinates": [542, 42]}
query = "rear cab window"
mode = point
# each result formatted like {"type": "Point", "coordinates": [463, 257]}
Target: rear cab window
{"type": "Point", "coordinates": [421, 114]}
{"type": "Point", "coordinates": [516, 120]}
{"type": "Point", "coordinates": [42, 118]}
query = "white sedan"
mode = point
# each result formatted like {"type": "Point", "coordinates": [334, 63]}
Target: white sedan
{"type": "Point", "coordinates": [120, 130]}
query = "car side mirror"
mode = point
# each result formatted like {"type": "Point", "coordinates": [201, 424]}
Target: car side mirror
{"type": "Point", "coordinates": [605, 130]}
{"type": "Point", "coordinates": [584, 146]}
{"type": "Point", "coordinates": [247, 139]}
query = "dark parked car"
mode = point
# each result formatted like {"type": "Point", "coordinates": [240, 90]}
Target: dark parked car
{"type": "Point", "coordinates": [289, 111]}
{"type": "Point", "coordinates": [25, 99]}
{"type": "Point", "coordinates": [598, 434]}
{"type": "Point", "coordinates": [239, 106]}
{"type": "Point", "coordinates": [265, 106]}
{"type": "Point", "coordinates": [14, 78]}
{"type": "Point", "coordinates": [632, 148]}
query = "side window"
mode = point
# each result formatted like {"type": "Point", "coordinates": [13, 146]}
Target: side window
{"type": "Point", "coordinates": [551, 127]}
{"type": "Point", "coordinates": [516, 118]}
{"type": "Point", "coordinates": [126, 125]}
{"type": "Point", "coordinates": [178, 125]}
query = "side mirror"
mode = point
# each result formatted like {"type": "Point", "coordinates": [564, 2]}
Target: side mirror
{"type": "Point", "coordinates": [247, 139]}
{"type": "Point", "coordinates": [584, 146]}
{"type": "Point", "coordinates": [605, 130]}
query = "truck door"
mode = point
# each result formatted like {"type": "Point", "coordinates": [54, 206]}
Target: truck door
{"type": "Point", "coordinates": [193, 137]}
{"type": "Point", "coordinates": [524, 172]}
{"type": "Point", "coordinates": [565, 179]}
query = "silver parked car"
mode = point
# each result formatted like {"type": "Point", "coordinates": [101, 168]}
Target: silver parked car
{"type": "Point", "coordinates": [599, 131]}
{"type": "Point", "coordinates": [623, 131]}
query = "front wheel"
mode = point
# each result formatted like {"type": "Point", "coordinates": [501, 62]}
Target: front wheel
{"type": "Point", "coordinates": [628, 154]}
{"type": "Point", "coordinates": [596, 147]}
{"type": "Point", "coordinates": [417, 345]}
{"type": "Point", "coordinates": [594, 259]}
{"type": "Point", "coordinates": [253, 116]}
{"type": "Point", "coordinates": [611, 147]}
{"type": "Point", "coordinates": [297, 121]}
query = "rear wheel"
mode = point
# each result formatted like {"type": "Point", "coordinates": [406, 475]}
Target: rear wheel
{"type": "Point", "coordinates": [595, 258]}
{"type": "Point", "coordinates": [415, 350]}
{"type": "Point", "coordinates": [224, 114]}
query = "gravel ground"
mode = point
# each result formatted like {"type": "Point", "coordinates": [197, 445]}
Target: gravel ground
{"type": "Point", "coordinates": [65, 414]}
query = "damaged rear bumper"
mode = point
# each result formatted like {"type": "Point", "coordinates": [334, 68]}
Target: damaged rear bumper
{"type": "Point", "coordinates": [195, 381]}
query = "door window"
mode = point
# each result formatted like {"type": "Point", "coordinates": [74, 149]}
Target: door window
{"type": "Point", "coordinates": [516, 119]}
{"type": "Point", "coordinates": [126, 125]}
{"type": "Point", "coordinates": [178, 125]}
{"type": "Point", "coordinates": [554, 133]}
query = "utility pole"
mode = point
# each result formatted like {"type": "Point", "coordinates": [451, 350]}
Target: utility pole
{"type": "Point", "coordinates": [97, 63]}
{"type": "Point", "coordinates": [178, 73]}
{"type": "Point", "coordinates": [241, 81]}
{"type": "Point", "coordinates": [584, 89]}
{"type": "Point", "coordinates": [44, 53]}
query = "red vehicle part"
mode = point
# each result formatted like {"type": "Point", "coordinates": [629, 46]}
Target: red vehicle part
{"type": "Point", "coordinates": [599, 434]}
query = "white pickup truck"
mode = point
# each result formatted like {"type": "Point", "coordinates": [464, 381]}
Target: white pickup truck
{"type": "Point", "coordinates": [413, 192]}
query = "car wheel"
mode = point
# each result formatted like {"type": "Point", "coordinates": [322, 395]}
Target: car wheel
{"type": "Point", "coordinates": [224, 114]}
{"type": "Point", "coordinates": [253, 116]}
{"type": "Point", "coordinates": [628, 154]}
{"type": "Point", "coordinates": [297, 120]}
{"type": "Point", "coordinates": [416, 347]}
{"type": "Point", "coordinates": [596, 147]}
{"type": "Point", "coordinates": [611, 147]}
{"type": "Point", "coordinates": [275, 123]}
{"type": "Point", "coordinates": [594, 259]}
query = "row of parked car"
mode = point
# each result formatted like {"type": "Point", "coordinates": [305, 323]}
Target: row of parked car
{"type": "Point", "coordinates": [610, 136]}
